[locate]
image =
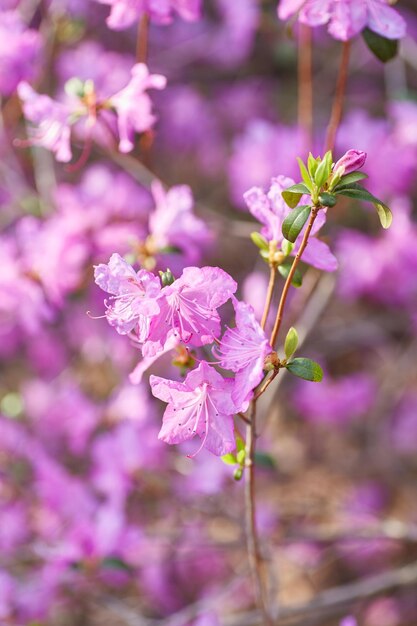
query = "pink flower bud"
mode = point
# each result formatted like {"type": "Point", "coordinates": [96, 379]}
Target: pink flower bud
{"type": "Point", "coordinates": [350, 162]}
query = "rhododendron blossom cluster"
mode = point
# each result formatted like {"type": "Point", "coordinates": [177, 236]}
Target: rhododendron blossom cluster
{"type": "Point", "coordinates": [53, 120]}
{"type": "Point", "coordinates": [124, 13]}
{"type": "Point", "coordinates": [346, 18]}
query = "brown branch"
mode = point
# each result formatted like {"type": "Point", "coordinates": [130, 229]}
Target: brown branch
{"type": "Point", "coordinates": [290, 276]}
{"type": "Point", "coordinates": [265, 385]}
{"type": "Point", "coordinates": [244, 418]}
{"type": "Point", "coordinates": [269, 294]}
{"type": "Point", "coordinates": [305, 85]}
{"type": "Point", "coordinates": [142, 39]}
{"type": "Point", "coordinates": [335, 601]}
{"type": "Point", "coordinates": [337, 109]}
{"type": "Point", "coordinates": [252, 539]}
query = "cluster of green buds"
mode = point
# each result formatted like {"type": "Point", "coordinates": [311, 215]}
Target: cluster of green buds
{"type": "Point", "coordinates": [299, 366]}
{"type": "Point", "coordinates": [324, 181]}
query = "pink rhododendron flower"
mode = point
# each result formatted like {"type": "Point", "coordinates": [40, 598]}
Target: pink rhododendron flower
{"type": "Point", "coordinates": [243, 350]}
{"type": "Point", "coordinates": [202, 405]}
{"type": "Point", "coordinates": [60, 242]}
{"type": "Point", "coordinates": [54, 120]}
{"type": "Point", "coordinates": [22, 302]}
{"type": "Point", "coordinates": [188, 308]}
{"type": "Point", "coordinates": [52, 128]}
{"type": "Point", "coordinates": [382, 258]}
{"type": "Point", "coordinates": [20, 49]}
{"type": "Point", "coordinates": [346, 18]}
{"type": "Point", "coordinates": [134, 295]}
{"type": "Point", "coordinates": [260, 151]}
{"type": "Point", "coordinates": [383, 140]}
{"type": "Point", "coordinates": [173, 223]}
{"type": "Point", "coordinates": [124, 13]}
{"type": "Point", "coordinates": [350, 162]}
{"type": "Point", "coordinates": [133, 106]}
{"type": "Point", "coordinates": [271, 210]}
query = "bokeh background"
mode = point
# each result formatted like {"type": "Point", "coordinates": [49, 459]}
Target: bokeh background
{"type": "Point", "coordinates": [100, 522]}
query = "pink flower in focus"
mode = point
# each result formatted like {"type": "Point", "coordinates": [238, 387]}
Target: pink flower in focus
{"type": "Point", "coordinates": [202, 405]}
{"type": "Point", "coordinates": [243, 350]}
{"type": "Point", "coordinates": [350, 162]}
{"type": "Point", "coordinates": [134, 296]}
{"type": "Point", "coordinates": [51, 118]}
{"type": "Point", "coordinates": [133, 106]}
{"type": "Point", "coordinates": [188, 309]}
{"type": "Point", "coordinates": [346, 18]}
{"type": "Point", "coordinates": [271, 210]}
{"type": "Point", "coordinates": [124, 13]}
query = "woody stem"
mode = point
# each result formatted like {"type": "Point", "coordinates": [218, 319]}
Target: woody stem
{"type": "Point", "coordinates": [337, 109]}
{"type": "Point", "coordinates": [142, 39]}
{"type": "Point", "coordinates": [305, 85]}
{"type": "Point", "coordinates": [287, 285]}
{"type": "Point", "coordinates": [252, 538]}
{"type": "Point", "coordinates": [269, 294]}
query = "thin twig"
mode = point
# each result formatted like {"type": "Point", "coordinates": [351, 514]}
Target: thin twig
{"type": "Point", "coordinates": [337, 109]}
{"type": "Point", "coordinates": [290, 276]}
{"type": "Point", "coordinates": [337, 600]}
{"type": "Point", "coordinates": [252, 539]}
{"type": "Point", "coordinates": [142, 39]}
{"type": "Point", "coordinates": [265, 385]}
{"type": "Point", "coordinates": [305, 84]}
{"type": "Point", "coordinates": [269, 294]}
{"type": "Point", "coordinates": [243, 417]}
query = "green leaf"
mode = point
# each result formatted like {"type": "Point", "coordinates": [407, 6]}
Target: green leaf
{"type": "Point", "coordinates": [240, 444]}
{"type": "Point", "coordinates": [384, 49]}
{"type": "Point", "coordinates": [353, 177]}
{"type": "Point", "coordinates": [306, 369]}
{"type": "Point", "coordinates": [170, 250]}
{"type": "Point", "coordinates": [115, 563]}
{"type": "Point", "coordinates": [262, 459]}
{"type": "Point", "coordinates": [259, 241]}
{"type": "Point", "coordinates": [312, 164]}
{"type": "Point", "coordinates": [291, 342]}
{"type": "Point", "coordinates": [284, 270]}
{"type": "Point", "coordinates": [357, 192]}
{"type": "Point", "coordinates": [229, 459]}
{"type": "Point", "coordinates": [286, 247]}
{"type": "Point", "coordinates": [384, 214]}
{"type": "Point", "coordinates": [294, 222]}
{"type": "Point", "coordinates": [293, 194]}
{"type": "Point", "coordinates": [327, 199]}
{"type": "Point", "coordinates": [305, 175]}
{"type": "Point", "coordinates": [324, 170]}
{"type": "Point", "coordinates": [241, 455]}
